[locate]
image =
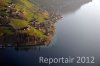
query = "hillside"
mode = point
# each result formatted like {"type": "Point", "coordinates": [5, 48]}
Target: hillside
{"type": "Point", "coordinates": [25, 21]}
{"type": "Point", "coordinates": [62, 6]}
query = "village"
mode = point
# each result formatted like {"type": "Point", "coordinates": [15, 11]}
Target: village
{"type": "Point", "coordinates": [47, 27]}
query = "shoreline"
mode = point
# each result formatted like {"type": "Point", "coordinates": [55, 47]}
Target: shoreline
{"type": "Point", "coordinates": [26, 24]}
{"type": "Point", "coordinates": [9, 40]}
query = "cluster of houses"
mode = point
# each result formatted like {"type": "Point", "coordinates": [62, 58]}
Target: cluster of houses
{"type": "Point", "coordinates": [13, 12]}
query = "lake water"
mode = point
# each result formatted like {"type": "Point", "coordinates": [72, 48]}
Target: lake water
{"type": "Point", "coordinates": [77, 34]}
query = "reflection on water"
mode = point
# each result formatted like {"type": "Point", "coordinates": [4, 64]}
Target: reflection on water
{"type": "Point", "coordinates": [77, 34]}
{"type": "Point", "coordinates": [82, 31]}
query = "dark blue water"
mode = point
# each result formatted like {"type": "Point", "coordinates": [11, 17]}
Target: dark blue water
{"type": "Point", "coordinates": [77, 34]}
